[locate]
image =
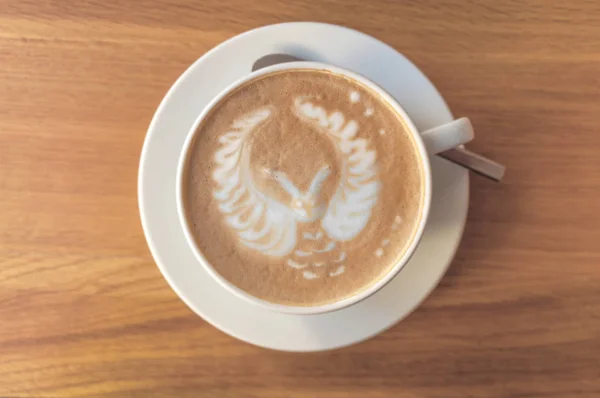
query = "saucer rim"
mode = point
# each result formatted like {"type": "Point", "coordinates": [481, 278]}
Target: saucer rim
{"type": "Point", "coordinates": [164, 268]}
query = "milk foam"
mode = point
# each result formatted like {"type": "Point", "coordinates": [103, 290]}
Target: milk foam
{"type": "Point", "coordinates": [269, 226]}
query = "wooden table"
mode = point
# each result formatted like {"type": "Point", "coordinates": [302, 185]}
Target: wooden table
{"type": "Point", "coordinates": [84, 312]}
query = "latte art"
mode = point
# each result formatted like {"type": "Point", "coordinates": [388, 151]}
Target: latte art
{"type": "Point", "coordinates": [302, 187]}
{"type": "Point", "coordinates": [264, 224]}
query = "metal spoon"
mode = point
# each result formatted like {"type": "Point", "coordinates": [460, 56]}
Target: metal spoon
{"type": "Point", "coordinates": [461, 156]}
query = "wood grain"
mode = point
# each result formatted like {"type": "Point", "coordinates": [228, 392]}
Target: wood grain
{"type": "Point", "coordinates": [84, 312]}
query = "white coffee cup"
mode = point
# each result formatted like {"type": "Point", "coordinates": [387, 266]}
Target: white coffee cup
{"type": "Point", "coordinates": [429, 143]}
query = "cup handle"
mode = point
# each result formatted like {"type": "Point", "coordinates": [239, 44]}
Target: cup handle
{"type": "Point", "coordinates": [448, 136]}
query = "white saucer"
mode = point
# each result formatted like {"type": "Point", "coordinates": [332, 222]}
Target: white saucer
{"type": "Point", "coordinates": [156, 189]}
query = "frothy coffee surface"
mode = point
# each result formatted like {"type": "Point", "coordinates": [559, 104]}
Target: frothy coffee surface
{"type": "Point", "coordinates": [303, 187]}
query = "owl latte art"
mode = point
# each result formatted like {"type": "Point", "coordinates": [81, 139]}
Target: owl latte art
{"type": "Point", "coordinates": [302, 187]}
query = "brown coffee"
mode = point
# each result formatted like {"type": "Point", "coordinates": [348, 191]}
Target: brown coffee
{"type": "Point", "coordinates": [303, 187]}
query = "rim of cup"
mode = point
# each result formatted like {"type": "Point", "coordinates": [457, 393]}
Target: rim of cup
{"type": "Point", "coordinates": [377, 284]}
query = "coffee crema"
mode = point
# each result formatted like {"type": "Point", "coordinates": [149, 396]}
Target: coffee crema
{"type": "Point", "coordinates": [303, 187]}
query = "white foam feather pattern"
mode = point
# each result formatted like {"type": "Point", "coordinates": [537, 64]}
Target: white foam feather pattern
{"type": "Point", "coordinates": [350, 207]}
{"type": "Point", "coordinates": [261, 222]}
{"type": "Point", "coordinates": [264, 224]}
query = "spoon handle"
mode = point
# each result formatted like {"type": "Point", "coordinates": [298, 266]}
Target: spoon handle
{"type": "Point", "coordinates": [476, 163]}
